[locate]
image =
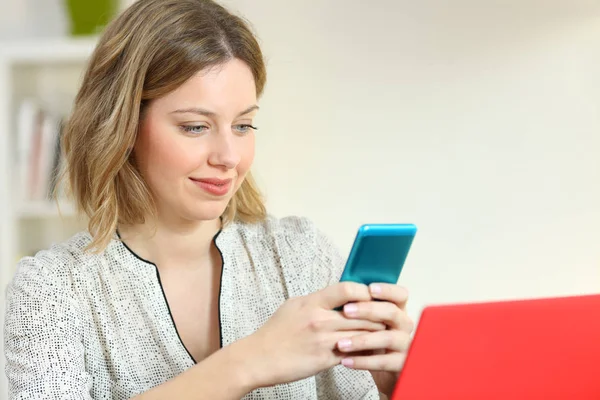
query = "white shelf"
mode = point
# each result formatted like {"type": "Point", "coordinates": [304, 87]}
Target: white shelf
{"type": "Point", "coordinates": [50, 50]}
{"type": "Point", "coordinates": [46, 70]}
{"type": "Point", "coordinates": [45, 209]}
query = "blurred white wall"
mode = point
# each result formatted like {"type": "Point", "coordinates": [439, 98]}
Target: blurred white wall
{"type": "Point", "coordinates": [477, 120]}
{"type": "Point", "coordinates": [21, 19]}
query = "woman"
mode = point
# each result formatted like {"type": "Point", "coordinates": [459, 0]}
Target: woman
{"type": "Point", "coordinates": [184, 287]}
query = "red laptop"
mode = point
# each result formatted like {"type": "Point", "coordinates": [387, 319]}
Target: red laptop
{"type": "Point", "coordinates": [525, 349]}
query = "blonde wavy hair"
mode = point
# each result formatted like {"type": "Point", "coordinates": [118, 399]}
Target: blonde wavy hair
{"type": "Point", "coordinates": [152, 48]}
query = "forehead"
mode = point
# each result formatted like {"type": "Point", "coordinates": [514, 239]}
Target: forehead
{"type": "Point", "coordinates": [224, 89]}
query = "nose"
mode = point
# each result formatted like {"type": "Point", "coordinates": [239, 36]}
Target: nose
{"type": "Point", "coordinates": [224, 152]}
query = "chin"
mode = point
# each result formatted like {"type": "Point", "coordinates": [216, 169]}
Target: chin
{"type": "Point", "coordinates": [206, 211]}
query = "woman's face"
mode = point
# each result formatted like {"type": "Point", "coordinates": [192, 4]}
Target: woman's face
{"type": "Point", "coordinates": [196, 144]}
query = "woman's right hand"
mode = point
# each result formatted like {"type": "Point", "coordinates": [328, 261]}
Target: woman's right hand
{"type": "Point", "coordinates": [300, 338]}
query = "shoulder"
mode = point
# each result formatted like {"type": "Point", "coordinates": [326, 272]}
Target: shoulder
{"type": "Point", "coordinates": [300, 247]}
{"type": "Point", "coordinates": [293, 230]}
{"type": "Point", "coordinates": [54, 267]}
{"type": "Point", "coordinates": [43, 317]}
{"type": "Point", "coordinates": [292, 226]}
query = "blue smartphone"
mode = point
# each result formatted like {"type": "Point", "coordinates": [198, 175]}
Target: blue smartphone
{"type": "Point", "coordinates": [378, 253]}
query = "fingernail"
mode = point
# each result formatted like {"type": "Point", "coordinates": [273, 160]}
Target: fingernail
{"type": "Point", "coordinates": [347, 362]}
{"type": "Point", "coordinates": [350, 309]}
{"type": "Point", "coordinates": [376, 289]}
{"type": "Point", "coordinates": [345, 344]}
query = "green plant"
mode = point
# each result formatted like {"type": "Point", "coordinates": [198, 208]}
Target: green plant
{"type": "Point", "coordinates": [89, 17]}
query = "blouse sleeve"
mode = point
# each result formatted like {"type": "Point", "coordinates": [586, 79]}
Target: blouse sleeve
{"type": "Point", "coordinates": [338, 382]}
{"type": "Point", "coordinates": [43, 340]}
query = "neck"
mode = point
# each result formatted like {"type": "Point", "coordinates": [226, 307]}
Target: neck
{"type": "Point", "coordinates": [172, 245]}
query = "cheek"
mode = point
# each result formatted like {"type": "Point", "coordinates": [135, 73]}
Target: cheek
{"type": "Point", "coordinates": [163, 154]}
{"type": "Point", "coordinates": [246, 157]}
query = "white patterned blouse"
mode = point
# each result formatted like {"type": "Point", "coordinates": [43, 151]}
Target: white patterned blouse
{"type": "Point", "coordinates": [98, 326]}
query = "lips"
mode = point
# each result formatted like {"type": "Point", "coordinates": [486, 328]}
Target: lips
{"type": "Point", "coordinates": [213, 186]}
{"type": "Point", "coordinates": [213, 181]}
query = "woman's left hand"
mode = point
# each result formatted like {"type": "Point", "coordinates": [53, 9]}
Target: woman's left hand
{"type": "Point", "coordinates": [383, 352]}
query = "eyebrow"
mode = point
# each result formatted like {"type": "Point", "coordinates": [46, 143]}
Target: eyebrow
{"type": "Point", "coordinates": [205, 112]}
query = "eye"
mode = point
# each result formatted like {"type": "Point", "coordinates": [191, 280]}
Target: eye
{"type": "Point", "coordinates": [244, 128]}
{"type": "Point", "coordinates": [194, 129]}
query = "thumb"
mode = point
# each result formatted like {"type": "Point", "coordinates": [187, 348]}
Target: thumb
{"type": "Point", "coordinates": [341, 293]}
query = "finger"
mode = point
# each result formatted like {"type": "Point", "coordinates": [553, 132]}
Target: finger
{"type": "Point", "coordinates": [334, 338]}
{"type": "Point", "coordinates": [390, 292]}
{"type": "Point", "coordinates": [341, 293]}
{"type": "Point", "coordinates": [346, 324]}
{"type": "Point", "coordinates": [392, 362]}
{"type": "Point", "coordinates": [333, 321]}
{"type": "Point", "coordinates": [395, 341]}
{"type": "Point", "coordinates": [341, 355]}
{"type": "Point", "coordinates": [380, 311]}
